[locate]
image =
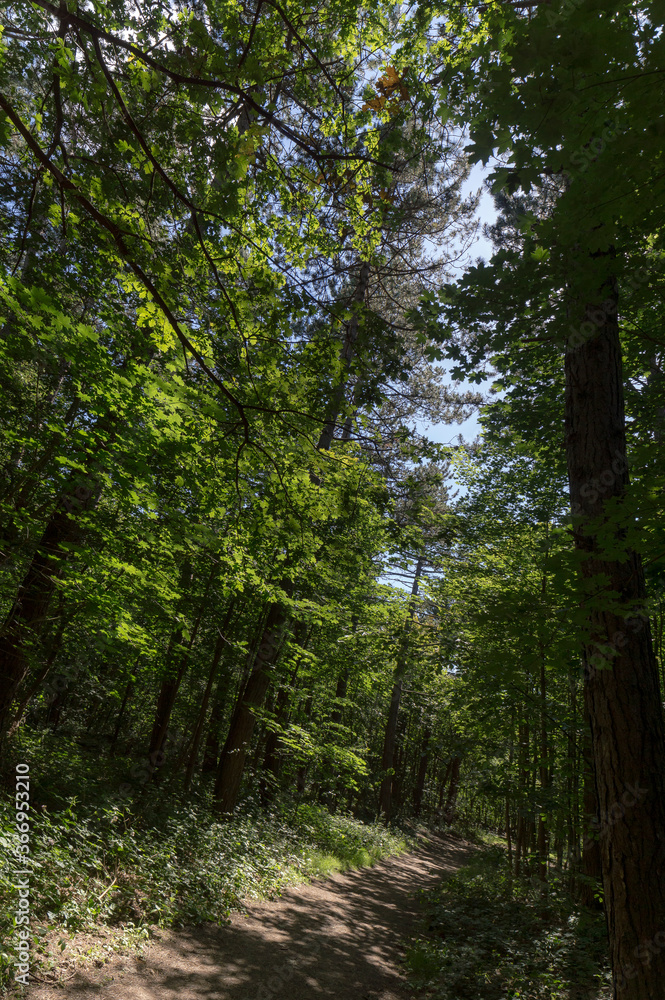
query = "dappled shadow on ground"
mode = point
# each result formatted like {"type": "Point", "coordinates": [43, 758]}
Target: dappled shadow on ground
{"type": "Point", "coordinates": [341, 938]}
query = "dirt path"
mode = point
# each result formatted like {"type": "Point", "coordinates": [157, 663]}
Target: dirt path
{"type": "Point", "coordinates": [340, 938]}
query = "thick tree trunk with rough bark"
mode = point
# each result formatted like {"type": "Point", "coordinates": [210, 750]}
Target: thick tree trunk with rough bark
{"type": "Point", "coordinates": [26, 618]}
{"type": "Point", "coordinates": [232, 761]}
{"type": "Point", "coordinates": [621, 684]}
{"type": "Point", "coordinates": [168, 692]}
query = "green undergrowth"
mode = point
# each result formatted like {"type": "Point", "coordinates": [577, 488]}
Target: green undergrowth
{"type": "Point", "coordinates": [492, 936]}
{"type": "Point", "coordinates": [162, 860]}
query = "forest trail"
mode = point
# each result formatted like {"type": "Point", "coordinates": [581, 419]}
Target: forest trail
{"type": "Point", "coordinates": [342, 938]}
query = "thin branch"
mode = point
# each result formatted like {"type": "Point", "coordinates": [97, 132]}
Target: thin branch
{"type": "Point", "coordinates": [119, 239]}
{"type": "Point", "coordinates": [199, 81]}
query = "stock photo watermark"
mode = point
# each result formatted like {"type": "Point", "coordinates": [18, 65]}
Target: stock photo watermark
{"type": "Point", "coordinates": [589, 151]}
{"type": "Point", "coordinates": [596, 487]}
{"type": "Point", "coordinates": [644, 953]}
{"type": "Point", "coordinates": [284, 973]}
{"type": "Point", "coordinates": [605, 654]}
{"type": "Point", "coordinates": [20, 875]}
{"type": "Point", "coordinates": [597, 316]}
{"type": "Point", "coordinates": [601, 826]}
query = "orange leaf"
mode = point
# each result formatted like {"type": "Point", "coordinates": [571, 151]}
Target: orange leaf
{"type": "Point", "coordinates": [387, 85]}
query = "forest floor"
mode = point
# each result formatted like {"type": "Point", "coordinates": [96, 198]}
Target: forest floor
{"type": "Point", "coordinates": [343, 937]}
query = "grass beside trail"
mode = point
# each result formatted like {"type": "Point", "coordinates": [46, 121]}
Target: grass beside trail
{"type": "Point", "coordinates": [492, 936]}
{"type": "Point", "coordinates": [160, 860]}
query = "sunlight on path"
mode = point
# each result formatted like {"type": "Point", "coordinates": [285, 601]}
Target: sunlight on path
{"type": "Point", "coordinates": [340, 938]}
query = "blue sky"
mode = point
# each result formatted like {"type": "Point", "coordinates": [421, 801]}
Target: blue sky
{"type": "Point", "coordinates": [481, 247]}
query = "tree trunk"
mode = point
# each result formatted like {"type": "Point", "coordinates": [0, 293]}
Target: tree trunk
{"type": "Point", "coordinates": [621, 679]}
{"type": "Point", "coordinates": [54, 714]}
{"type": "Point", "coordinates": [203, 710]}
{"type": "Point", "coordinates": [389, 739]}
{"type": "Point", "coordinates": [443, 784]}
{"type": "Point", "coordinates": [301, 773]}
{"type": "Point", "coordinates": [165, 701]}
{"type": "Point", "coordinates": [511, 752]}
{"type": "Point", "coordinates": [572, 786]}
{"type": "Point", "coordinates": [40, 677]}
{"type": "Point", "coordinates": [27, 615]}
{"type": "Point", "coordinates": [591, 864]}
{"type": "Point", "coordinates": [522, 845]}
{"type": "Point", "coordinates": [340, 695]}
{"type": "Point", "coordinates": [173, 679]}
{"type": "Point", "coordinates": [346, 355]}
{"type": "Point", "coordinates": [385, 793]}
{"type": "Point", "coordinates": [398, 777]}
{"type": "Point", "coordinates": [271, 767]}
{"type": "Point", "coordinates": [422, 773]}
{"type": "Point", "coordinates": [118, 721]}
{"type": "Point", "coordinates": [211, 751]}
{"type": "Point", "coordinates": [519, 844]}
{"type": "Point", "coordinates": [543, 831]}
{"type": "Point", "coordinates": [232, 761]}
{"type": "Point", "coordinates": [271, 759]}
{"type": "Point", "coordinates": [451, 801]}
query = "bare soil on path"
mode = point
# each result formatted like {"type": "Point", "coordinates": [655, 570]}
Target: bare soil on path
{"type": "Point", "coordinates": [343, 937]}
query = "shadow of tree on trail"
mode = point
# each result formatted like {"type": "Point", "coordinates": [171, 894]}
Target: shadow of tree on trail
{"type": "Point", "coordinates": [340, 938]}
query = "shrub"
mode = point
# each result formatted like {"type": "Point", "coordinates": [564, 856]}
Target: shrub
{"type": "Point", "coordinates": [494, 936]}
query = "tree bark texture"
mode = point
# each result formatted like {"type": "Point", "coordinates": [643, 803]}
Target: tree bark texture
{"type": "Point", "coordinates": [27, 616]}
{"type": "Point", "coordinates": [622, 693]}
{"type": "Point", "coordinates": [232, 760]}
{"type": "Point", "coordinates": [203, 709]}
